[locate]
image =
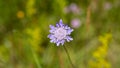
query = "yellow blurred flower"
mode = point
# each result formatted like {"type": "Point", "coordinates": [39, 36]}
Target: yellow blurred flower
{"type": "Point", "coordinates": [34, 38]}
{"type": "Point", "coordinates": [20, 14]}
{"type": "Point", "coordinates": [30, 9]}
{"type": "Point", "coordinates": [101, 53]}
{"type": "Point", "coordinates": [104, 64]}
{"type": "Point", "coordinates": [96, 54]}
{"type": "Point", "coordinates": [105, 39]}
{"type": "Point", "coordinates": [103, 50]}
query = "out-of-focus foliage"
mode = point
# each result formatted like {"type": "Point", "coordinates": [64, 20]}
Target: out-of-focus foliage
{"type": "Point", "coordinates": [24, 26]}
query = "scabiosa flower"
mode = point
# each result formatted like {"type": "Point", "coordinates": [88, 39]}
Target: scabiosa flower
{"type": "Point", "coordinates": [107, 6]}
{"type": "Point", "coordinates": [60, 33]}
{"type": "Point", "coordinates": [74, 8]}
{"type": "Point", "coordinates": [75, 23]}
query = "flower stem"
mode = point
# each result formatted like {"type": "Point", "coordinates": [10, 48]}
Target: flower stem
{"type": "Point", "coordinates": [68, 56]}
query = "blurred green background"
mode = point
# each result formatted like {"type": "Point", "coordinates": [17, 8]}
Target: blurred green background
{"type": "Point", "coordinates": [24, 26]}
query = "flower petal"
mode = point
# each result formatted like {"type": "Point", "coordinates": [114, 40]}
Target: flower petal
{"type": "Point", "coordinates": [66, 27]}
{"type": "Point", "coordinates": [60, 23]}
{"type": "Point", "coordinates": [51, 36]}
{"type": "Point", "coordinates": [51, 31]}
{"type": "Point", "coordinates": [52, 27]}
{"type": "Point", "coordinates": [62, 42]}
{"type": "Point", "coordinates": [58, 43]}
{"type": "Point", "coordinates": [57, 25]}
{"type": "Point", "coordinates": [69, 31]}
{"type": "Point", "coordinates": [68, 38]}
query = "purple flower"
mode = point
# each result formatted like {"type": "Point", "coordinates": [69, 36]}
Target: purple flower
{"type": "Point", "coordinates": [107, 6]}
{"type": "Point", "coordinates": [59, 34]}
{"type": "Point", "coordinates": [74, 8]}
{"type": "Point", "coordinates": [76, 23]}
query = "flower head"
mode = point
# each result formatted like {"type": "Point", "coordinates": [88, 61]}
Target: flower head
{"type": "Point", "coordinates": [60, 33]}
{"type": "Point", "coordinates": [74, 8]}
{"type": "Point", "coordinates": [75, 23]}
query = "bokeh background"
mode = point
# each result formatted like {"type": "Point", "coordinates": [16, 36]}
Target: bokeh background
{"type": "Point", "coordinates": [24, 26]}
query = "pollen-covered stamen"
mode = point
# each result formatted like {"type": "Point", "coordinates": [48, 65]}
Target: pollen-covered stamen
{"type": "Point", "coordinates": [60, 33]}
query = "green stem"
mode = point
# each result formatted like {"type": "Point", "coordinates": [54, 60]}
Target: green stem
{"type": "Point", "coordinates": [35, 58]}
{"type": "Point", "coordinates": [68, 56]}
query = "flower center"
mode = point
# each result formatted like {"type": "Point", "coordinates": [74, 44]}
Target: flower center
{"type": "Point", "coordinates": [60, 33]}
